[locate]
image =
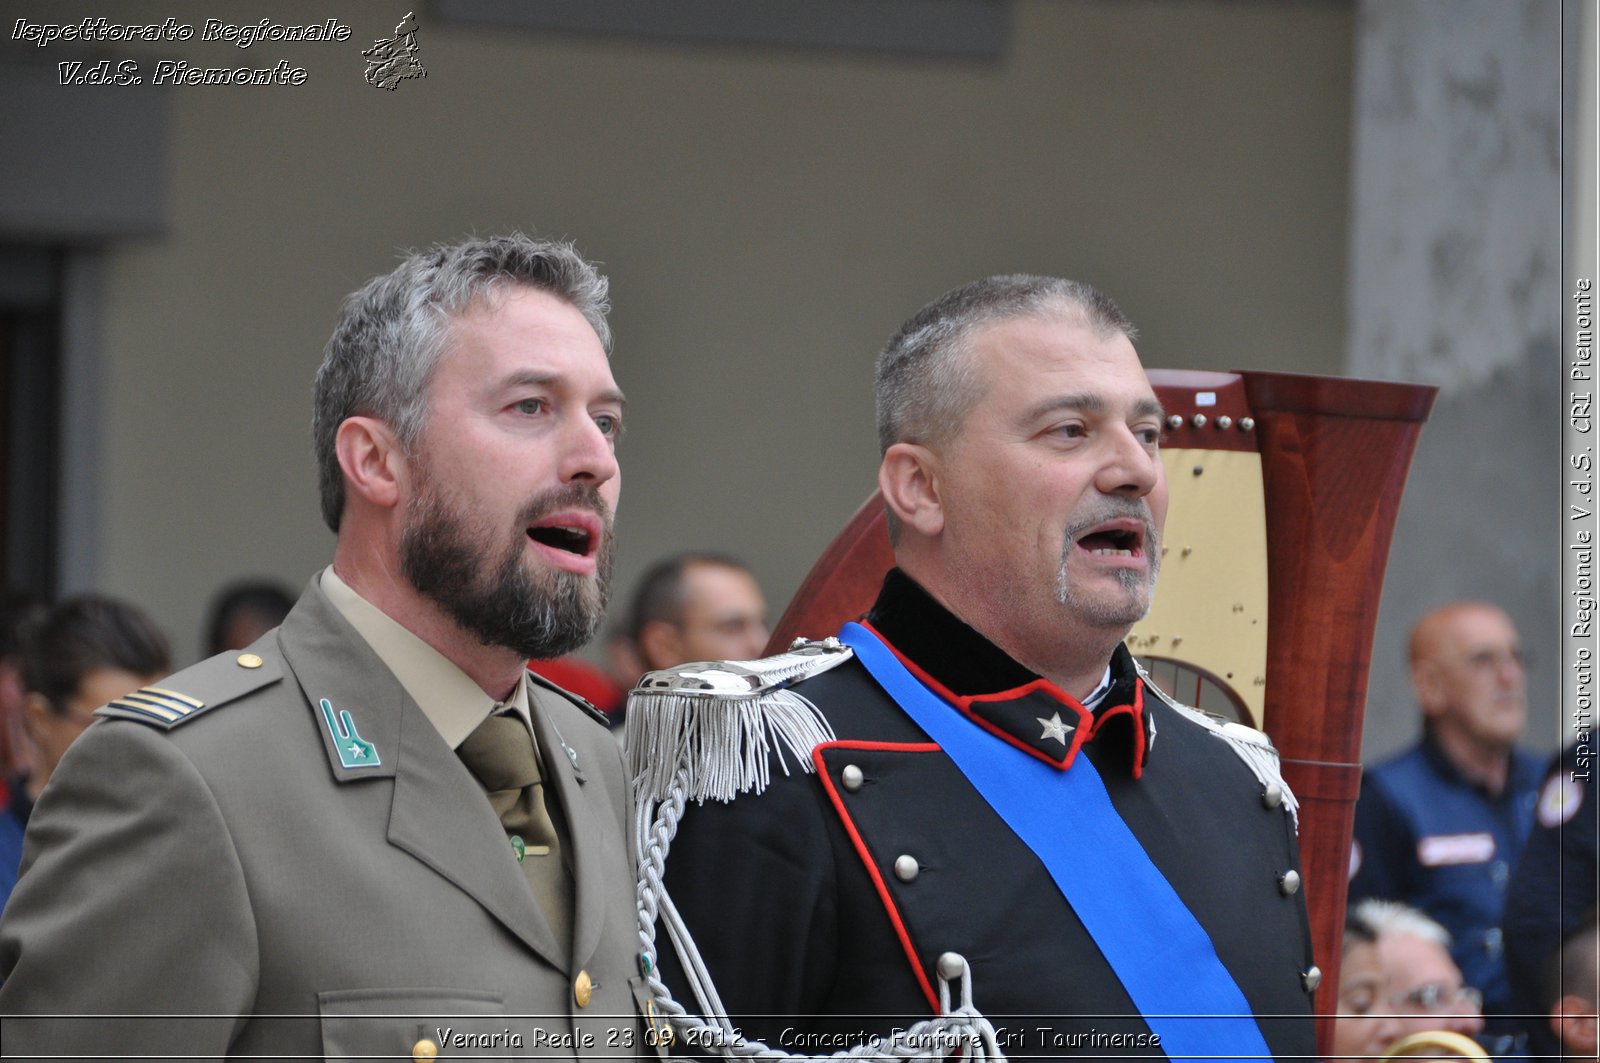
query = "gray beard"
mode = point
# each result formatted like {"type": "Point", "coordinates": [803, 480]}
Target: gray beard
{"type": "Point", "coordinates": [538, 614]}
{"type": "Point", "coordinates": [1140, 587]}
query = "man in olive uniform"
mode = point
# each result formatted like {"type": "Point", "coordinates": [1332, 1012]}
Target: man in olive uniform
{"type": "Point", "coordinates": [372, 832]}
{"type": "Point", "coordinates": [993, 795]}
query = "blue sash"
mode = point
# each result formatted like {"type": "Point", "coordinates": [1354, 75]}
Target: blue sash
{"type": "Point", "coordinates": [1158, 950]}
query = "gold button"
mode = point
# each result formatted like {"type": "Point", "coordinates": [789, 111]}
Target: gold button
{"type": "Point", "coordinates": [582, 989]}
{"type": "Point", "coordinates": [250, 660]}
{"type": "Point", "coordinates": [424, 1049]}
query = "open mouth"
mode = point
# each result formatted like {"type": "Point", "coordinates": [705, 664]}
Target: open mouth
{"type": "Point", "coordinates": [577, 534]}
{"type": "Point", "coordinates": [1114, 539]}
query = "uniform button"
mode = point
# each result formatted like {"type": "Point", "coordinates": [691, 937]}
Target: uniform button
{"type": "Point", "coordinates": [950, 966]}
{"type": "Point", "coordinates": [1289, 883]}
{"type": "Point", "coordinates": [582, 989]}
{"type": "Point", "coordinates": [1311, 977]}
{"type": "Point", "coordinates": [906, 868]}
{"type": "Point", "coordinates": [248, 660]}
{"type": "Point", "coordinates": [424, 1050]}
{"type": "Point", "coordinates": [852, 777]}
{"type": "Point", "coordinates": [1272, 797]}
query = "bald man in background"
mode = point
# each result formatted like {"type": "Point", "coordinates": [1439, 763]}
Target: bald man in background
{"type": "Point", "coordinates": [1441, 825]}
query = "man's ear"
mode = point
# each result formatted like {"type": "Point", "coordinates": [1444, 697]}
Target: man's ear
{"type": "Point", "coordinates": [374, 464]}
{"type": "Point", "coordinates": [36, 714]}
{"type": "Point", "coordinates": [659, 641]}
{"type": "Point", "coordinates": [908, 476]}
{"type": "Point", "coordinates": [1428, 686]}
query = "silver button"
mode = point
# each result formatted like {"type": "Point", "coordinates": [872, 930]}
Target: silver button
{"type": "Point", "coordinates": [1289, 883]}
{"type": "Point", "coordinates": [906, 868]}
{"type": "Point", "coordinates": [1311, 978]}
{"type": "Point", "coordinates": [1224, 421]}
{"type": "Point", "coordinates": [951, 964]}
{"type": "Point", "coordinates": [1272, 797]}
{"type": "Point", "coordinates": [852, 777]}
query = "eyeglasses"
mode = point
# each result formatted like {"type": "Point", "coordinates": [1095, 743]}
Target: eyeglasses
{"type": "Point", "coordinates": [1435, 997]}
{"type": "Point", "coordinates": [1487, 661]}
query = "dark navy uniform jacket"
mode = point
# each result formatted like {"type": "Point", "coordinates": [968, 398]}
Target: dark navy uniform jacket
{"type": "Point", "coordinates": [818, 933]}
{"type": "Point", "coordinates": [1553, 885]}
{"type": "Point", "coordinates": [1427, 836]}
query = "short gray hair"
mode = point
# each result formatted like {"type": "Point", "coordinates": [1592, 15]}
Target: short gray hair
{"type": "Point", "coordinates": [1391, 917]}
{"type": "Point", "coordinates": [393, 330]}
{"type": "Point", "coordinates": [926, 385]}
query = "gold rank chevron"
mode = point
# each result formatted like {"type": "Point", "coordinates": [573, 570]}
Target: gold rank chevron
{"type": "Point", "coordinates": [163, 704]}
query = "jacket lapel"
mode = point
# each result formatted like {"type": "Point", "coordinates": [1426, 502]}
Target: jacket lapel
{"type": "Point", "coordinates": [594, 843]}
{"type": "Point", "coordinates": [439, 813]}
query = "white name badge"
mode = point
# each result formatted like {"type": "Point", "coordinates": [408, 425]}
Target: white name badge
{"type": "Point", "coordinates": [1440, 850]}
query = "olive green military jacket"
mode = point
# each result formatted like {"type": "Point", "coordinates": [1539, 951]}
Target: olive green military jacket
{"type": "Point", "coordinates": [227, 864]}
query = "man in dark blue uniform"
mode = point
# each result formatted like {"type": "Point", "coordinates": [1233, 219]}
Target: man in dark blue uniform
{"type": "Point", "coordinates": [994, 792]}
{"type": "Point", "coordinates": [1440, 826]}
{"type": "Point", "coordinates": [1554, 883]}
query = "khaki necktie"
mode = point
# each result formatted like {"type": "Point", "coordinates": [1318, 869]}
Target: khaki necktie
{"type": "Point", "coordinates": [501, 756]}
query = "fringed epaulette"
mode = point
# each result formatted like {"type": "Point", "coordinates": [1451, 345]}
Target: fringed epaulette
{"type": "Point", "coordinates": [713, 726]}
{"type": "Point", "coordinates": [1252, 746]}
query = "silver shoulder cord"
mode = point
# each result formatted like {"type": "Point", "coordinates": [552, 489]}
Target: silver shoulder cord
{"type": "Point", "coordinates": [701, 731]}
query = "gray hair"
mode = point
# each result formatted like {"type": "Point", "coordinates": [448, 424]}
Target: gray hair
{"type": "Point", "coordinates": [926, 385]}
{"type": "Point", "coordinates": [1393, 918]}
{"type": "Point", "coordinates": [393, 330]}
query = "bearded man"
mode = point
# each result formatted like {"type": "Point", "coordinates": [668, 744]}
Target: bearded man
{"type": "Point", "coordinates": [373, 832]}
{"type": "Point", "coordinates": [995, 798]}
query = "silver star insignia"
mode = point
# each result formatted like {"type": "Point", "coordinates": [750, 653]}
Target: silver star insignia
{"type": "Point", "coordinates": [356, 751]}
{"type": "Point", "coordinates": [1054, 728]}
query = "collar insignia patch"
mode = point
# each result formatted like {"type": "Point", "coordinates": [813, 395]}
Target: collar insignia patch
{"type": "Point", "coordinates": [1054, 728]}
{"type": "Point", "coordinates": [354, 751]}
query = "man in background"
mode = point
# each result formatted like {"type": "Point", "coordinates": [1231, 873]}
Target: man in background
{"type": "Point", "coordinates": [76, 656]}
{"type": "Point", "coordinates": [242, 612]}
{"type": "Point", "coordinates": [1423, 987]}
{"type": "Point", "coordinates": [1440, 827]}
{"type": "Point", "coordinates": [1554, 884]}
{"type": "Point", "coordinates": [1573, 984]}
{"type": "Point", "coordinates": [698, 607]}
{"type": "Point", "coordinates": [688, 607]}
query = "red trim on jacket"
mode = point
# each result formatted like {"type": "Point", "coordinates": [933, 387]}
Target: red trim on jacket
{"type": "Point", "coordinates": [963, 703]}
{"type": "Point", "coordinates": [866, 854]}
{"type": "Point", "coordinates": [1136, 712]}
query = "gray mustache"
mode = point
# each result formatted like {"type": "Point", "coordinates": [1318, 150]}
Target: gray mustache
{"type": "Point", "coordinates": [1115, 509]}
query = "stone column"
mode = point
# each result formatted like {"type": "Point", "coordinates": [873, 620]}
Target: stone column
{"type": "Point", "coordinates": [1456, 280]}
